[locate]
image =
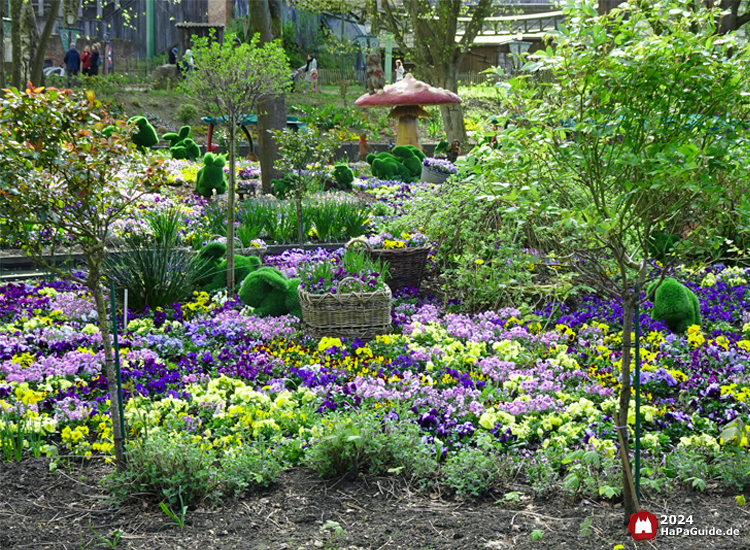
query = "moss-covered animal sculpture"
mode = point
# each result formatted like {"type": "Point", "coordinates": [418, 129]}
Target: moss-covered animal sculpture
{"type": "Point", "coordinates": [675, 304]}
{"type": "Point", "coordinates": [243, 266]}
{"type": "Point", "coordinates": [181, 144]}
{"type": "Point", "coordinates": [283, 187]}
{"type": "Point", "coordinates": [411, 157]}
{"type": "Point", "coordinates": [145, 137]}
{"type": "Point", "coordinates": [207, 262]}
{"type": "Point", "coordinates": [211, 176]}
{"type": "Point", "coordinates": [343, 176]}
{"type": "Point", "coordinates": [269, 292]}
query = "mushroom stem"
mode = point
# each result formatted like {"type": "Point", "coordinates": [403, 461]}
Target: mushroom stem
{"type": "Point", "coordinates": [407, 131]}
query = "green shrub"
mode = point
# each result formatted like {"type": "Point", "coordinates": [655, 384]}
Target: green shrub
{"type": "Point", "coordinates": [472, 472]}
{"type": "Point", "coordinates": [174, 469]}
{"type": "Point", "coordinates": [186, 113]}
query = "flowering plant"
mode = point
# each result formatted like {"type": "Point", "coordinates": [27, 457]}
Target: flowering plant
{"type": "Point", "coordinates": [404, 240]}
{"type": "Point", "coordinates": [440, 166]}
{"type": "Point", "coordinates": [324, 277]}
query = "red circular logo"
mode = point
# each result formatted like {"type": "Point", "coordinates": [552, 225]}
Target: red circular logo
{"type": "Point", "coordinates": [643, 525]}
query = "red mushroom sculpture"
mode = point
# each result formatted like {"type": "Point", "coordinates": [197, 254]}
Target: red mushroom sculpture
{"type": "Point", "coordinates": [406, 98]}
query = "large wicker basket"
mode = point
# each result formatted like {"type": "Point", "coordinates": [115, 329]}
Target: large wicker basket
{"type": "Point", "coordinates": [357, 314]}
{"type": "Point", "coordinates": [405, 265]}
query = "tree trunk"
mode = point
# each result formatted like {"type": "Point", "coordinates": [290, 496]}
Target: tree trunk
{"type": "Point", "coordinates": [298, 205]}
{"type": "Point", "coordinates": [271, 111]}
{"type": "Point", "coordinates": [230, 205]}
{"type": "Point", "coordinates": [101, 310]}
{"type": "Point", "coordinates": [272, 116]}
{"type": "Point", "coordinates": [628, 309]}
{"type": "Point", "coordinates": [453, 114]}
{"type": "Point", "coordinates": [2, 45]}
{"type": "Point", "coordinates": [38, 63]}
{"type": "Point", "coordinates": [15, 40]}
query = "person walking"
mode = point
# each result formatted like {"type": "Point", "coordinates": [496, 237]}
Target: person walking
{"type": "Point", "coordinates": [72, 60]}
{"type": "Point", "coordinates": [95, 61]}
{"type": "Point", "coordinates": [400, 71]}
{"type": "Point", "coordinates": [85, 60]}
{"type": "Point", "coordinates": [312, 65]}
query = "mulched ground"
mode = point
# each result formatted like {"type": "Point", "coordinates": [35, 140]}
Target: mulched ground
{"type": "Point", "coordinates": [62, 510]}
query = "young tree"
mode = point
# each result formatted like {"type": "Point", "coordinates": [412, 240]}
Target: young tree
{"type": "Point", "coordinates": [231, 80]}
{"type": "Point", "coordinates": [658, 133]}
{"type": "Point", "coordinates": [299, 149]}
{"type": "Point", "coordinates": [63, 175]}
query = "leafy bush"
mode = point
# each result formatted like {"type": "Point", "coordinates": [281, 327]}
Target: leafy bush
{"type": "Point", "coordinates": [472, 472]}
{"type": "Point", "coordinates": [171, 467]}
{"type": "Point", "coordinates": [187, 113]}
{"type": "Point", "coordinates": [174, 468]}
{"type": "Point", "coordinates": [367, 444]}
{"type": "Point", "coordinates": [330, 116]}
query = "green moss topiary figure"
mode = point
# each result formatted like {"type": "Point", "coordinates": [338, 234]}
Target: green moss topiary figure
{"type": "Point", "coordinates": [265, 290]}
{"type": "Point", "coordinates": [369, 158]}
{"type": "Point", "coordinates": [283, 187]}
{"type": "Point", "coordinates": [243, 266]}
{"type": "Point", "coordinates": [343, 175]}
{"type": "Point", "coordinates": [207, 262]}
{"type": "Point", "coordinates": [187, 149]}
{"type": "Point", "coordinates": [145, 137]}
{"type": "Point", "coordinates": [406, 156]}
{"type": "Point", "coordinates": [675, 304]}
{"type": "Point", "coordinates": [175, 138]}
{"type": "Point", "coordinates": [292, 298]}
{"type": "Point", "coordinates": [387, 167]}
{"type": "Point", "coordinates": [416, 151]}
{"type": "Point", "coordinates": [211, 176]}
{"type": "Point", "coordinates": [181, 144]}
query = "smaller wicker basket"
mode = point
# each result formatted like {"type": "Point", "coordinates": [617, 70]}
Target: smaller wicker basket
{"type": "Point", "coordinates": [356, 314]}
{"type": "Point", "coordinates": [405, 266]}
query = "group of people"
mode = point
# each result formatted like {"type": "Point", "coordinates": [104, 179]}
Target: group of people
{"type": "Point", "coordinates": [87, 63]}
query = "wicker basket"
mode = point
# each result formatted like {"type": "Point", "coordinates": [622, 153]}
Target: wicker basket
{"type": "Point", "coordinates": [357, 314]}
{"type": "Point", "coordinates": [405, 265]}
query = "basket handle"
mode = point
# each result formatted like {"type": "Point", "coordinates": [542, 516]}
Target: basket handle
{"type": "Point", "coordinates": [358, 240]}
{"type": "Point", "coordinates": [349, 280]}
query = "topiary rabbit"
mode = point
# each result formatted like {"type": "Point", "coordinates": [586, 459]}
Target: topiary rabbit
{"type": "Point", "coordinates": [211, 176]}
{"type": "Point", "coordinates": [243, 266]}
{"type": "Point", "coordinates": [343, 176]}
{"type": "Point", "coordinates": [269, 292]}
{"type": "Point", "coordinates": [675, 304]}
{"type": "Point", "coordinates": [181, 144]}
{"type": "Point", "coordinates": [145, 137]}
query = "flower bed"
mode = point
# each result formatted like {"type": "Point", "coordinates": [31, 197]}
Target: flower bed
{"type": "Point", "coordinates": [207, 368]}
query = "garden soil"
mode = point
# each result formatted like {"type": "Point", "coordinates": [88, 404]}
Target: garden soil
{"type": "Point", "coordinates": [67, 509]}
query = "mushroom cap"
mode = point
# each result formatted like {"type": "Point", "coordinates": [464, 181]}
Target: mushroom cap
{"type": "Point", "coordinates": [408, 91]}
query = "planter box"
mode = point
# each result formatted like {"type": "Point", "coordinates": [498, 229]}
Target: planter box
{"type": "Point", "coordinates": [431, 176]}
{"type": "Point", "coordinates": [405, 265]}
{"type": "Point", "coordinates": [356, 314]}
